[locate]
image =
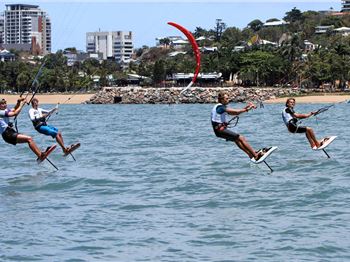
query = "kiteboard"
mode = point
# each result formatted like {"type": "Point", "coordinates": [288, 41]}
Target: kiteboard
{"type": "Point", "coordinates": [268, 151]}
{"type": "Point", "coordinates": [326, 143]}
{"type": "Point", "coordinates": [47, 152]}
{"type": "Point", "coordinates": [72, 148]}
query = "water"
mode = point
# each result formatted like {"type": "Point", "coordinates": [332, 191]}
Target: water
{"type": "Point", "coordinates": [153, 183]}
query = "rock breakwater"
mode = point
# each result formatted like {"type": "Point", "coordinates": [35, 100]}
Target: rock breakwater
{"type": "Point", "coordinates": [141, 95]}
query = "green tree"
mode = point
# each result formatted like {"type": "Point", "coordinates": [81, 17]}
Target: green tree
{"type": "Point", "coordinates": [159, 71]}
{"type": "Point", "coordinates": [272, 20]}
{"type": "Point", "coordinates": [219, 28]}
{"type": "Point", "coordinates": [231, 37]}
{"type": "Point", "coordinates": [291, 49]}
{"type": "Point", "coordinates": [23, 81]}
{"type": "Point", "coordinates": [255, 25]}
{"type": "Point", "coordinates": [261, 67]}
{"type": "Point", "coordinates": [199, 31]}
{"type": "Point", "coordinates": [293, 15]}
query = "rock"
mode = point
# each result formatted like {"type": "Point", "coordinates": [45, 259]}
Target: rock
{"type": "Point", "coordinates": [139, 95]}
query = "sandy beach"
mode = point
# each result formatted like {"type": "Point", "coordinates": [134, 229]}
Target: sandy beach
{"type": "Point", "coordinates": [329, 98]}
{"type": "Point", "coordinates": [52, 99]}
{"type": "Point", "coordinates": [81, 98]}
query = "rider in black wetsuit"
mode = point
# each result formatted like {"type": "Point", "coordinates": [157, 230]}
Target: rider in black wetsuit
{"type": "Point", "coordinates": [290, 118]}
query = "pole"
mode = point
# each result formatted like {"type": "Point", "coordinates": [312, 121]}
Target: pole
{"type": "Point", "coordinates": [326, 153]}
{"type": "Point", "coordinates": [268, 166]}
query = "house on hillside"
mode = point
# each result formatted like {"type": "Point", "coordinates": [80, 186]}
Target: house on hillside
{"type": "Point", "coordinates": [275, 23]}
{"type": "Point", "coordinates": [344, 31]}
{"type": "Point", "coordinates": [6, 56]}
{"type": "Point", "coordinates": [323, 29]}
{"type": "Point", "coordinates": [175, 53]}
{"type": "Point", "coordinates": [203, 79]}
{"type": "Point", "coordinates": [309, 47]}
{"type": "Point", "coordinates": [208, 49]}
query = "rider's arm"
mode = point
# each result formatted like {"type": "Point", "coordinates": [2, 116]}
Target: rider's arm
{"type": "Point", "coordinates": [44, 112]}
{"type": "Point", "coordinates": [18, 103]}
{"type": "Point", "coordinates": [301, 116]}
{"type": "Point", "coordinates": [232, 111]}
{"type": "Point", "coordinates": [17, 109]}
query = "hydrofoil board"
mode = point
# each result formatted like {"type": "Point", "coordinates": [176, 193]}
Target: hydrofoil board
{"type": "Point", "coordinates": [72, 148]}
{"type": "Point", "coordinates": [266, 154]}
{"type": "Point", "coordinates": [326, 143]}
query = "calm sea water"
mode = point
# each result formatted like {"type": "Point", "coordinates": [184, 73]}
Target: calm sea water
{"type": "Point", "coordinates": [153, 183]}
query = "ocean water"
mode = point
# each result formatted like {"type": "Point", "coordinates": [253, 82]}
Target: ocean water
{"type": "Point", "coordinates": [153, 183]}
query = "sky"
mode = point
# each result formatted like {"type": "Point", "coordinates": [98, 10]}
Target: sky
{"type": "Point", "coordinates": [71, 20]}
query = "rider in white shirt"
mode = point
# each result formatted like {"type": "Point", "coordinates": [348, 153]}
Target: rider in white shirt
{"type": "Point", "coordinates": [38, 117]}
{"type": "Point", "coordinates": [219, 122]}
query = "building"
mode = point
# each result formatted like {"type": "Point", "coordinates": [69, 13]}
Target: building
{"type": "Point", "coordinates": [79, 56]}
{"type": "Point", "coordinates": [344, 31]}
{"type": "Point", "coordinates": [203, 79]}
{"type": "Point", "coordinates": [27, 27]}
{"type": "Point", "coordinates": [309, 47]}
{"type": "Point", "coordinates": [6, 55]}
{"type": "Point", "coordinates": [275, 23]}
{"type": "Point", "coordinates": [116, 45]}
{"type": "Point", "coordinates": [1, 30]}
{"type": "Point", "coordinates": [345, 6]}
{"type": "Point", "coordinates": [323, 29]}
{"type": "Point", "coordinates": [167, 40]}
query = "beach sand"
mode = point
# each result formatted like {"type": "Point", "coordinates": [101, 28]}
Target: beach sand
{"type": "Point", "coordinates": [329, 98]}
{"type": "Point", "coordinates": [81, 98]}
{"type": "Point", "coordinates": [52, 99]}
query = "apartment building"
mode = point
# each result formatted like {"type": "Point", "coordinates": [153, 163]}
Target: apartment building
{"type": "Point", "coordinates": [1, 30]}
{"type": "Point", "coordinates": [345, 6]}
{"type": "Point", "coordinates": [116, 45]}
{"type": "Point", "coordinates": [27, 27]}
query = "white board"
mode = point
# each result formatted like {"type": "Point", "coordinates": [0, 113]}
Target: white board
{"type": "Point", "coordinates": [325, 144]}
{"type": "Point", "coordinates": [261, 159]}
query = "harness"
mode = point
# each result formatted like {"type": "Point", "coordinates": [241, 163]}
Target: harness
{"type": "Point", "coordinates": [220, 126]}
{"type": "Point", "coordinates": [223, 126]}
{"type": "Point", "coordinates": [38, 122]}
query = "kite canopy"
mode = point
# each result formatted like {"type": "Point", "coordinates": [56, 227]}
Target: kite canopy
{"type": "Point", "coordinates": [195, 48]}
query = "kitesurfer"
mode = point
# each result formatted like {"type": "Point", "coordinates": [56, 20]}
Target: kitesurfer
{"type": "Point", "coordinates": [220, 125]}
{"type": "Point", "coordinates": [290, 118]}
{"type": "Point", "coordinates": [38, 116]}
{"type": "Point", "coordinates": [7, 131]}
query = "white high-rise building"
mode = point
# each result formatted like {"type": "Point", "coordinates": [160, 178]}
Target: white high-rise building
{"type": "Point", "coordinates": [1, 30]}
{"type": "Point", "coordinates": [26, 27]}
{"type": "Point", "coordinates": [117, 45]}
{"type": "Point", "coordinates": [345, 6]}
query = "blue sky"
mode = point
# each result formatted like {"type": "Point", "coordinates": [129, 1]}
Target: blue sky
{"type": "Point", "coordinates": [148, 19]}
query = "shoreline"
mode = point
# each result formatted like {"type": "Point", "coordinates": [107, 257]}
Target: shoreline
{"type": "Point", "coordinates": [82, 98]}
{"type": "Point", "coordinates": [312, 99]}
{"type": "Point", "coordinates": [52, 98]}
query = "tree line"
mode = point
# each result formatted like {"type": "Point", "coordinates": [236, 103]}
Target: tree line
{"type": "Point", "coordinates": [56, 76]}
{"type": "Point", "coordinates": [265, 65]}
{"type": "Point", "coordinates": [256, 64]}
